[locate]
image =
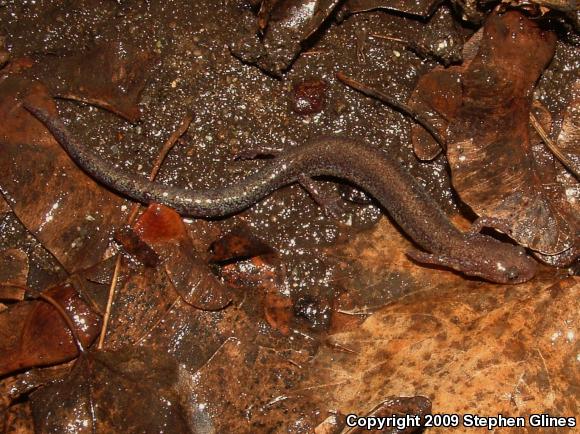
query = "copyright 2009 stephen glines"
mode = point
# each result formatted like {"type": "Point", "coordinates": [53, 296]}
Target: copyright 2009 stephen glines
{"type": "Point", "coordinates": [466, 420]}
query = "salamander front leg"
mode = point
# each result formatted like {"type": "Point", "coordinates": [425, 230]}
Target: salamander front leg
{"type": "Point", "coordinates": [330, 203]}
{"type": "Point", "coordinates": [490, 222]}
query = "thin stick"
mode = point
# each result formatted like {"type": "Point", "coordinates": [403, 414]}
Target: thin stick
{"type": "Point", "coordinates": [313, 53]}
{"type": "Point", "coordinates": [167, 146]}
{"type": "Point", "coordinates": [109, 302]}
{"type": "Point", "coordinates": [169, 143]}
{"type": "Point", "coordinates": [397, 105]}
{"type": "Point", "coordinates": [563, 158]}
{"type": "Point", "coordinates": [389, 38]}
{"type": "Point", "coordinates": [132, 117]}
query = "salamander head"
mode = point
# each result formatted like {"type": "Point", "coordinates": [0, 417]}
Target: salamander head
{"type": "Point", "coordinates": [485, 257]}
{"type": "Point", "coordinates": [499, 262]}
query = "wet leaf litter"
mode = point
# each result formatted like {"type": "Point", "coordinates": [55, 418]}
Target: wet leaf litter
{"type": "Point", "coordinates": [280, 318]}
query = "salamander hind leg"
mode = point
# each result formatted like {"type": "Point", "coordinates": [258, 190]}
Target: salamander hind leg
{"type": "Point", "coordinates": [330, 203]}
{"type": "Point", "coordinates": [257, 153]}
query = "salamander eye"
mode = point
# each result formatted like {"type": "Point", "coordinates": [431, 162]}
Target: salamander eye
{"type": "Point", "coordinates": [512, 273]}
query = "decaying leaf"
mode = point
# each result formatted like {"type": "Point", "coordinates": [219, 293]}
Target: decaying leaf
{"type": "Point", "coordinates": [130, 390]}
{"type": "Point", "coordinates": [290, 23]}
{"type": "Point", "coordinates": [13, 274]}
{"type": "Point", "coordinates": [250, 262]}
{"type": "Point", "coordinates": [569, 137]}
{"type": "Point", "coordinates": [421, 8]}
{"type": "Point", "coordinates": [69, 213]}
{"type": "Point", "coordinates": [4, 207]}
{"type": "Point", "coordinates": [164, 231]}
{"type": "Point", "coordinates": [33, 333]}
{"type": "Point", "coordinates": [487, 351]}
{"type": "Point", "coordinates": [17, 387]}
{"type": "Point", "coordinates": [437, 96]}
{"type": "Point", "coordinates": [484, 108]}
{"type": "Point", "coordinates": [489, 148]}
{"type": "Point", "coordinates": [232, 383]}
{"type": "Point", "coordinates": [4, 53]}
{"type": "Point", "coordinates": [239, 243]}
{"type": "Point", "coordinates": [111, 75]}
{"type": "Point", "coordinates": [180, 357]}
{"type": "Point", "coordinates": [17, 419]}
{"type": "Point", "coordinates": [168, 273]}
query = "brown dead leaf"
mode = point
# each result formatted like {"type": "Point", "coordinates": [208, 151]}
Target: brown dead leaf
{"type": "Point", "coordinates": [492, 163]}
{"type": "Point", "coordinates": [111, 75]}
{"type": "Point", "coordinates": [66, 210]}
{"type": "Point", "coordinates": [239, 243]}
{"type": "Point", "coordinates": [162, 229]}
{"type": "Point", "coordinates": [143, 297]}
{"type": "Point", "coordinates": [421, 8]}
{"type": "Point", "coordinates": [4, 207]}
{"type": "Point", "coordinates": [130, 390]}
{"type": "Point", "coordinates": [245, 380]}
{"type": "Point", "coordinates": [289, 24]}
{"type": "Point", "coordinates": [467, 349]}
{"type": "Point", "coordinates": [17, 387]}
{"type": "Point", "coordinates": [438, 97]}
{"type": "Point", "coordinates": [484, 107]}
{"type": "Point", "coordinates": [17, 419]}
{"type": "Point", "coordinates": [13, 274]}
{"type": "Point", "coordinates": [33, 333]}
{"type": "Point", "coordinates": [168, 272]}
{"type": "Point", "coordinates": [569, 136]}
{"type": "Point", "coordinates": [248, 262]}
{"type": "Point", "coordinates": [278, 311]}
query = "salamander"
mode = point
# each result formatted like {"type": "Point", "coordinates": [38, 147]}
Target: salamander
{"type": "Point", "coordinates": [418, 215]}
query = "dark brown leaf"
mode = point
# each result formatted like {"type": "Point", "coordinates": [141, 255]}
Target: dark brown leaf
{"type": "Point", "coordinates": [131, 390]}
{"type": "Point", "coordinates": [163, 230]}
{"type": "Point", "coordinates": [143, 297]}
{"type": "Point", "coordinates": [496, 168]}
{"type": "Point", "coordinates": [4, 207]}
{"type": "Point", "coordinates": [239, 243]}
{"type": "Point", "coordinates": [421, 8]}
{"type": "Point", "coordinates": [290, 23]}
{"type": "Point", "coordinates": [438, 97]}
{"type": "Point", "coordinates": [16, 388]}
{"type": "Point", "coordinates": [13, 274]}
{"type": "Point", "coordinates": [569, 137]}
{"type": "Point", "coordinates": [254, 264]}
{"type": "Point", "coordinates": [34, 173]}
{"type": "Point", "coordinates": [111, 75]}
{"type": "Point", "coordinates": [33, 333]}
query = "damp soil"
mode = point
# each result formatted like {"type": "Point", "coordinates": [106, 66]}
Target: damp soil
{"type": "Point", "coordinates": [237, 107]}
